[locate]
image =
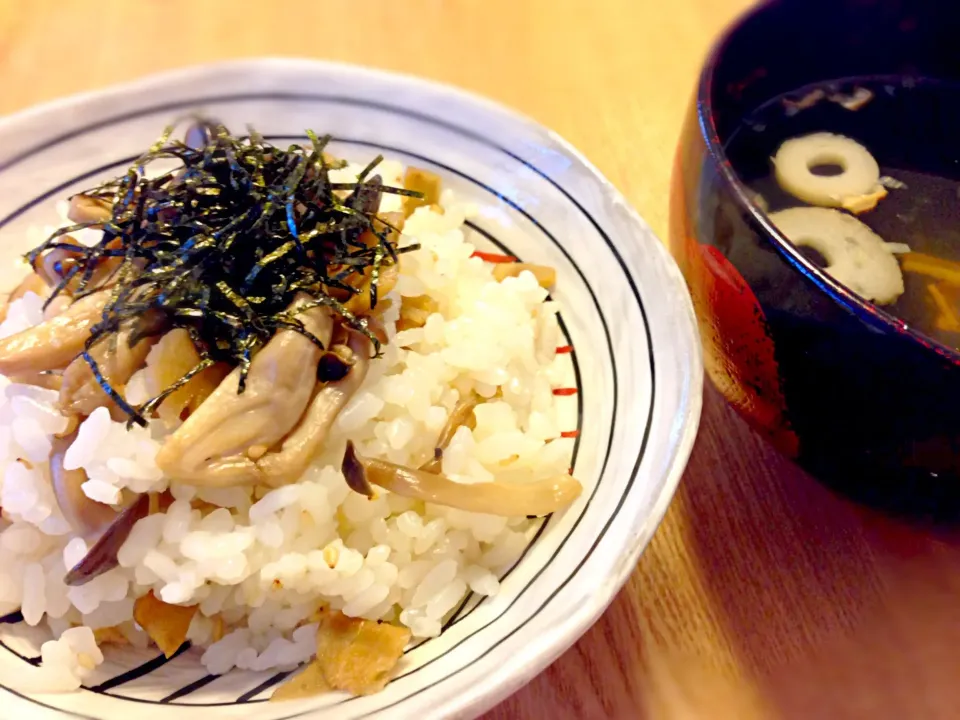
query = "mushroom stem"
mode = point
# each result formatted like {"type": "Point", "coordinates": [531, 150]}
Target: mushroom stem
{"type": "Point", "coordinates": [118, 360]}
{"type": "Point", "coordinates": [211, 447]}
{"type": "Point", "coordinates": [47, 379]}
{"type": "Point", "coordinates": [539, 497]}
{"type": "Point", "coordinates": [53, 343]}
{"type": "Point", "coordinates": [301, 446]}
{"type": "Point", "coordinates": [462, 414]}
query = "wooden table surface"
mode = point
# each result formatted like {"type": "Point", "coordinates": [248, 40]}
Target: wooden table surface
{"type": "Point", "coordinates": [762, 595]}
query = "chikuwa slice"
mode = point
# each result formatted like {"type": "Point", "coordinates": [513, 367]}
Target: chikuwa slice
{"type": "Point", "coordinates": [856, 187]}
{"type": "Point", "coordinates": [855, 255]}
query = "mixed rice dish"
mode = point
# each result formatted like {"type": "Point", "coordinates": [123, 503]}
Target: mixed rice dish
{"type": "Point", "coordinates": [274, 405]}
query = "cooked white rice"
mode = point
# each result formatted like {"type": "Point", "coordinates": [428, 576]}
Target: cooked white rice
{"type": "Point", "coordinates": [265, 561]}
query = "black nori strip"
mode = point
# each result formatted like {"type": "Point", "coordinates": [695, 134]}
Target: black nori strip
{"type": "Point", "coordinates": [222, 245]}
{"type": "Point", "coordinates": [134, 416]}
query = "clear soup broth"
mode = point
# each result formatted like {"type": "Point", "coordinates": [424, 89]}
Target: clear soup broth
{"type": "Point", "coordinates": [912, 128]}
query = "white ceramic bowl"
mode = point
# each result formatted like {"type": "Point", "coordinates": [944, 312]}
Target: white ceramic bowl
{"type": "Point", "coordinates": [624, 306]}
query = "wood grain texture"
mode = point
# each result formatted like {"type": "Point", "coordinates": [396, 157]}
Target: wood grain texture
{"type": "Point", "coordinates": [762, 595]}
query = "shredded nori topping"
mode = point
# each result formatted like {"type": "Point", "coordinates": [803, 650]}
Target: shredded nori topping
{"type": "Point", "coordinates": [221, 245]}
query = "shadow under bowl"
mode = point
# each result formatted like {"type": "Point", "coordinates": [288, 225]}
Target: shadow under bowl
{"type": "Point", "coordinates": [861, 399]}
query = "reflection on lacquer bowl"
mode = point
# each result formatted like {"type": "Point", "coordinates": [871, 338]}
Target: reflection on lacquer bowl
{"type": "Point", "coordinates": [600, 380]}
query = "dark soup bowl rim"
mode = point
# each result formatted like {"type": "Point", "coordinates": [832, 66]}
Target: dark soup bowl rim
{"type": "Point", "coordinates": [864, 309]}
